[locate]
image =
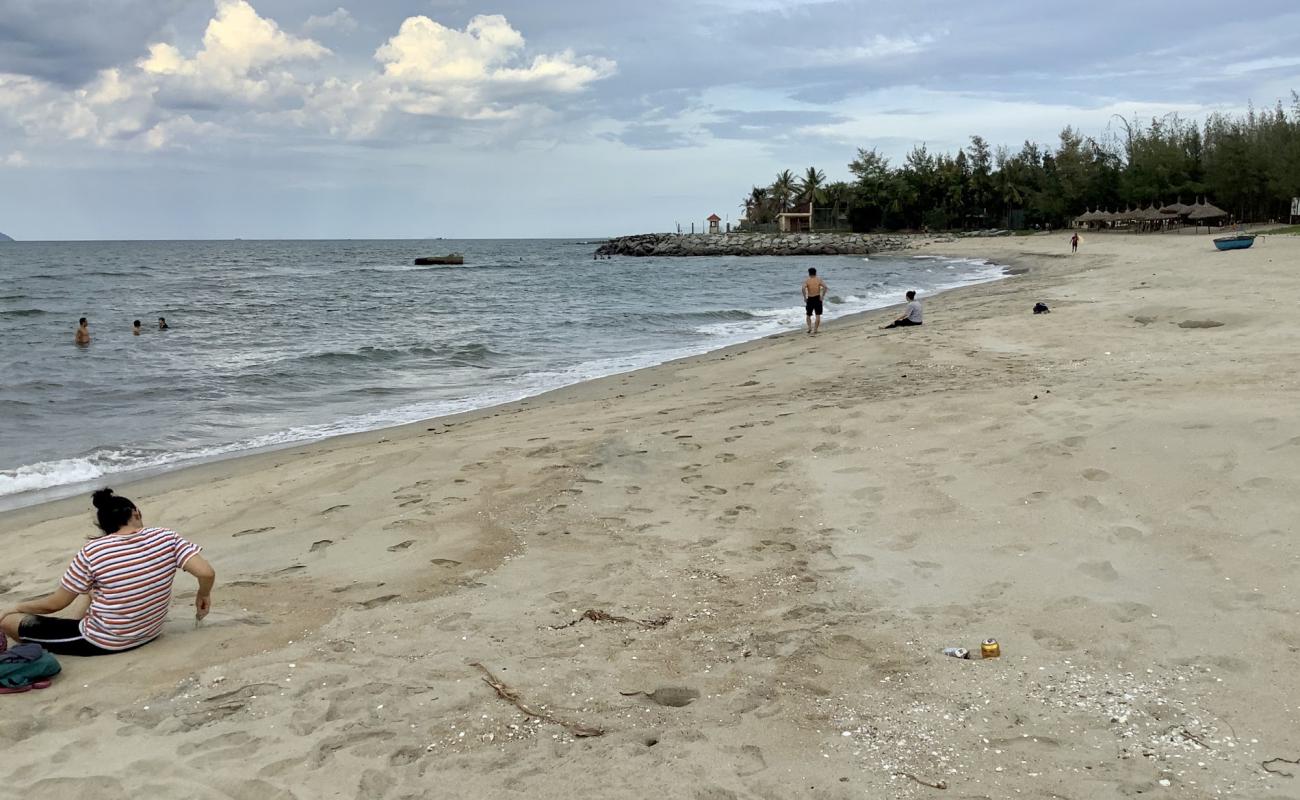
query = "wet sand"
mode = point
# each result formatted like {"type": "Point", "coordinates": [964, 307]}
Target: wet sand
{"type": "Point", "coordinates": [791, 528]}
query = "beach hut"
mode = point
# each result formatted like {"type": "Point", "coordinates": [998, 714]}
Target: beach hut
{"type": "Point", "coordinates": [1205, 212]}
{"type": "Point", "coordinates": [713, 221]}
{"type": "Point", "coordinates": [1087, 219]}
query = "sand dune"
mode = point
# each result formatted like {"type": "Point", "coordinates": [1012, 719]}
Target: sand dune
{"type": "Point", "coordinates": [792, 529]}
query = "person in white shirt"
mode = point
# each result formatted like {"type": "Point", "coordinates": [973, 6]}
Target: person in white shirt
{"type": "Point", "coordinates": [911, 316]}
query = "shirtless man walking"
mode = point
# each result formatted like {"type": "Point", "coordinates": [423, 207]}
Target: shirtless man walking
{"type": "Point", "coordinates": [814, 290]}
{"type": "Point", "coordinates": [83, 332]}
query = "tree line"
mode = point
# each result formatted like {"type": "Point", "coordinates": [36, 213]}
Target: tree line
{"type": "Point", "coordinates": [1247, 164]}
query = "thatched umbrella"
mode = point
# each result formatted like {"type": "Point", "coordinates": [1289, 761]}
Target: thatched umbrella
{"type": "Point", "coordinates": [1178, 209]}
{"type": "Point", "coordinates": [1206, 211]}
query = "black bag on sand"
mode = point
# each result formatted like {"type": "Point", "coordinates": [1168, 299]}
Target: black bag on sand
{"type": "Point", "coordinates": [1041, 308]}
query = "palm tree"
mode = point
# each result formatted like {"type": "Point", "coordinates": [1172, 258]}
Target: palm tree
{"type": "Point", "coordinates": [840, 196]}
{"type": "Point", "coordinates": [757, 205]}
{"type": "Point", "coordinates": [783, 189]}
{"type": "Point", "coordinates": [810, 185]}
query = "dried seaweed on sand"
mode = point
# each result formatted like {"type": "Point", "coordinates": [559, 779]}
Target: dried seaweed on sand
{"type": "Point", "coordinates": [596, 615]}
{"type": "Point", "coordinates": [506, 693]}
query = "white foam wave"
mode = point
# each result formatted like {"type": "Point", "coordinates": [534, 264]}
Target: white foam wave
{"type": "Point", "coordinates": [43, 475]}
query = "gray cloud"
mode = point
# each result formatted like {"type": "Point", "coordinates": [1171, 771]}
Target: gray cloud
{"type": "Point", "coordinates": [67, 41]}
{"type": "Point", "coordinates": [651, 136]}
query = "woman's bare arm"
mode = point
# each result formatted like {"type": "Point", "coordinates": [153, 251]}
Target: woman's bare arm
{"type": "Point", "coordinates": [199, 567]}
{"type": "Point", "coordinates": [59, 600]}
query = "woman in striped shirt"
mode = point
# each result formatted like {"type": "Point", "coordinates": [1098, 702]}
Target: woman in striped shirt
{"type": "Point", "coordinates": [128, 574]}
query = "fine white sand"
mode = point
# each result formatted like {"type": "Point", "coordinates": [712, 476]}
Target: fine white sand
{"type": "Point", "coordinates": [1109, 490]}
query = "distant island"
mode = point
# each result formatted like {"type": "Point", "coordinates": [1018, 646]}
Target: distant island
{"type": "Point", "coordinates": [4, 238]}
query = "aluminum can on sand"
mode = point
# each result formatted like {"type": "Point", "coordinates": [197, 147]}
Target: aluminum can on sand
{"type": "Point", "coordinates": [956, 652]}
{"type": "Point", "coordinates": [990, 648]}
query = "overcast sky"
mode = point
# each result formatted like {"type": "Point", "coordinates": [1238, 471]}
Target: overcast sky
{"type": "Point", "coordinates": [386, 118]}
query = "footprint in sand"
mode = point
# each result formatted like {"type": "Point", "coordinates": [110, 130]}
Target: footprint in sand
{"type": "Point", "coordinates": [1127, 533]}
{"type": "Point", "coordinates": [1096, 474]}
{"type": "Point", "coordinates": [339, 507]}
{"type": "Point", "coordinates": [1089, 503]}
{"type": "Point", "coordinates": [726, 458]}
{"type": "Point", "coordinates": [1200, 323]}
{"type": "Point", "coordinates": [444, 562]}
{"type": "Point", "coordinates": [401, 545]}
{"type": "Point", "coordinates": [751, 761]}
{"type": "Point", "coordinates": [1101, 570]}
{"type": "Point", "coordinates": [714, 490]}
{"type": "Point", "coordinates": [379, 601]}
{"type": "Point", "coordinates": [320, 545]}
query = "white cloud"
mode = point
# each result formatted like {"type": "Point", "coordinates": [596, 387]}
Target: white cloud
{"type": "Point", "coordinates": [241, 59]}
{"type": "Point", "coordinates": [14, 159]}
{"type": "Point", "coordinates": [480, 74]}
{"type": "Point", "coordinates": [486, 56]}
{"type": "Point", "coordinates": [340, 19]}
{"type": "Point", "coordinates": [249, 74]}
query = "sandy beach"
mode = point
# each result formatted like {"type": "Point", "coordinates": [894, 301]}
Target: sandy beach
{"type": "Point", "coordinates": [791, 528]}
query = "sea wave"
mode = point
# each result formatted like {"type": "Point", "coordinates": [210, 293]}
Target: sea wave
{"type": "Point", "coordinates": [24, 312]}
{"type": "Point", "coordinates": [47, 474]}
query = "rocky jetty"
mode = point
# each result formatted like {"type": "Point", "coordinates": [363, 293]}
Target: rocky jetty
{"type": "Point", "coordinates": [4, 238]}
{"type": "Point", "coordinates": [756, 244]}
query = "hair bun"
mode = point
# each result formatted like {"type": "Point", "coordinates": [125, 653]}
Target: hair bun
{"type": "Point", "coordinates": [100, 498]}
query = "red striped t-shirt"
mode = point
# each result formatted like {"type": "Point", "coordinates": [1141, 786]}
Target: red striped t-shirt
{"type": "Point", "coordinates": [129, 580]}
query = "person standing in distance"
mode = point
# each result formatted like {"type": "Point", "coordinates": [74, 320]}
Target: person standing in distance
{"type": "Point", "coordinates": [912, 316]}
{"type": "Point", "coordinates": [83, 332]}
{"type": "Point", "coordinates": [1074, 243]}
{"type": "Point", "coordinates": [814, 290]}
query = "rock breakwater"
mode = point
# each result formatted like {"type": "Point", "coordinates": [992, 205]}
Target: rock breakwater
{"type": "Point", "coordinates": [756, 244]}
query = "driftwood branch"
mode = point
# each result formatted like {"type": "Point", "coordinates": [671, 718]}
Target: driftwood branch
{"type": "Point", "coordinates": [1265, 764]}
{"type": "Point", "coordinates": [936, 785]}
{"type": "Point", "coordinates": [510, 695]}
{"type": "Point", "coordinates": [596, 615]}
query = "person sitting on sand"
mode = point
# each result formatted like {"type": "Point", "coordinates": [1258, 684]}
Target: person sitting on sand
{"type": "Point", "coordinates": [162, 324]}
{"type": "Point", "coordinates": [83, 332]}
{"type": "Point", "coordinates": [135, 327]}
{"type": "Point", "coordinates": [814, 290]}
{"type": "Point", "coordinates": [912, 316]}
{"type": "Point", "coordinates": [128, 574]}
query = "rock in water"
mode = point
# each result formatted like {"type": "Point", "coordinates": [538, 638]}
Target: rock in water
{"type": "Point", "coordinates": [4, 238]}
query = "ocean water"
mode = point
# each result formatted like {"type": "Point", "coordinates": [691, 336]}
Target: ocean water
{"type": "Point", "coordinates": [277, 342]}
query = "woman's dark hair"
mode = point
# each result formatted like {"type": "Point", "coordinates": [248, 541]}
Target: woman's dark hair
{"type": "Point", "coordinates": [136, 323]}
{"type": "Point", "coordinates": [112, 512]}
